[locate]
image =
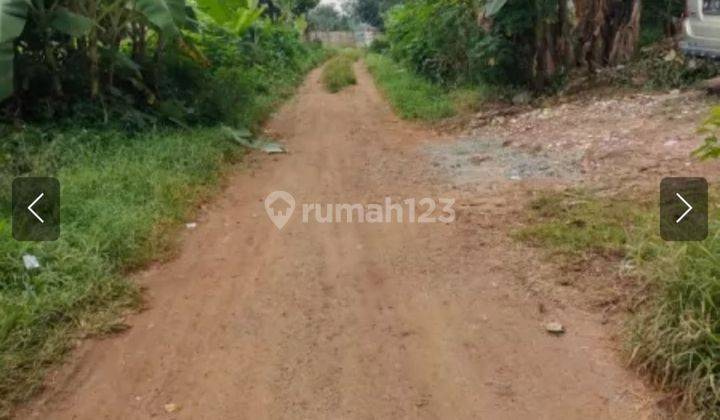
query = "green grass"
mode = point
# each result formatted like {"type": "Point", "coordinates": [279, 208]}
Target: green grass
{"type": "Point", "coordinates": [412, 96]}
{"type": "Point", "coordinates": [338, 72]}
{"type": "Point", "coordinates": [674, 336]}
{"type": "Point", "coordinates": [123, 197]}
{"type": "Point", "coordinates": [578, 225]}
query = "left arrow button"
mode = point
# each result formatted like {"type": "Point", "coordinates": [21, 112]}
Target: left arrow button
{"type": "Point", "coordinates": [30, 207]}
{"type": "Point", "coordinates": [35, 209]}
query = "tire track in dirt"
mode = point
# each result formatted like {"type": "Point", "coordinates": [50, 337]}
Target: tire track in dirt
{"type": "Point", "coordinates": [335, 321]}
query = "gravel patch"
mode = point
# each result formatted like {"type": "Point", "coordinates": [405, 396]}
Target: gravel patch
{"type": "Point", "coordinates": [474, 160]}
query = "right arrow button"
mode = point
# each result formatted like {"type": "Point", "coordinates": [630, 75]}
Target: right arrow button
{"type": "Point", "coordinates": [689, 208]}
{"type": "Point", "coordinates": [683, 209]}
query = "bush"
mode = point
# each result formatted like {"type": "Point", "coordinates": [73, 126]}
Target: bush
{"type": "Point", "coordinates": [214, 85]}
{"type": "Point", "coordinates": [379, 45]}
{"type": "Point", "coordinates": [244, 71]}
{"type": "Point", "coordinates": [457, 50]}
{"type": "Point", "coordinates": [338, 73]}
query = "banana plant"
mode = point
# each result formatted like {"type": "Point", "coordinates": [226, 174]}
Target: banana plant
{"type": "Point", "coordinates": [236, 16]}
{"type": "Point", "coordinates": [13, 16]}
{"type": "Point", "coordinates": [168, 16]}
{"type": "Point", "coordinates": [492, 7]}
{"type": "Point", "coordinates": [300, 24]}
{"type": "Point", "coordinates": [246, 16]}
{"type": "Point", "coordinates": [12, 23]}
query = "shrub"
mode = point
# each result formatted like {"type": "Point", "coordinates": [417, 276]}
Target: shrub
{"type": "Point", "coordinates": [338, 73]}
{"type": "Point", "coordinates": [457, 50]}
{"type": "Point", "coordinates": [379, 45]}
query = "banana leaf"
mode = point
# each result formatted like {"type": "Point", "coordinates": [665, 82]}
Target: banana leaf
{"type": "Point", "coordinates": [70, 23]}
{"type": "Point", "coordinates": [12, 23]}
{"type": "Point", "coordinates": [167, 15]}
{"type": "Point", "coordinates": [492, 7]}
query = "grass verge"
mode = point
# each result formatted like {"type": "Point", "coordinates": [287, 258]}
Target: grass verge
{"type": "Point", "coordinates": [412, 96]}
{"type": "Point", "coordinates": [338, 72]}
{"type": "Point", "coordinates": [674, 336]}
{"type": "Point", "coordinates": [122, 198]}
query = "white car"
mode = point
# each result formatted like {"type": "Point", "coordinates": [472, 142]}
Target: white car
{"type": "Point", "coordinates": [702, 29]}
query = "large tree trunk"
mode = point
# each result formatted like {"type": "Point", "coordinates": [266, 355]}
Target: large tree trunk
{"type": "Point", "coordinates": [608, 31]}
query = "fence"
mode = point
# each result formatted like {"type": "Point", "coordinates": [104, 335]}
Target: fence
{"type": "Point", "coordinates": [342, 38]}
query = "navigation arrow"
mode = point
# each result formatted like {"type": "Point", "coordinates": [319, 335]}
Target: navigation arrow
{"type": "Point", "coordinates": [689, 208]}
{"type": "Point", "coordinates": [39, 197]}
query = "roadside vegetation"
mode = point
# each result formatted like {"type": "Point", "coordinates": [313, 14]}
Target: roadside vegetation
{"type": "Point", "coordinates": [412, 96]}
{"type": "Point", "coordinates": [137, 111]}
{"type": "Point", "coordinates": [338, 72]}
{"type": "Point", "coordinates": [673, 332]}
{"type": "Point", "coordinates": [521, 51]}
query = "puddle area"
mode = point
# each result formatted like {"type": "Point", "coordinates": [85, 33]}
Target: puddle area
{"type": "Point", "coordinates": [474, 160]}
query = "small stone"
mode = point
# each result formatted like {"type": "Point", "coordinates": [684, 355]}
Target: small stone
{"type": "Point", "coordinates": [191, 225]}
{"type": "Point", "coordinates": [171, 407]}
{"type": "Point", "coordinates": [554, 328]}
{"type": "Point", "coordinates": [522, 98]}
{"type": "Point", "coordinates": [479, 159]}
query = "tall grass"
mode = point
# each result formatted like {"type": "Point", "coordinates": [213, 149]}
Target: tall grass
{"type": "Point", "coordinates": [676, 336]}
{"type": "Point", "coordinates": [338, 72]}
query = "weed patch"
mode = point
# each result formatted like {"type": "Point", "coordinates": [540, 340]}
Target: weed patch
{"type": "Point", "coordinates": [578, 225]}
{"type": "Point", "coordinates": [338, 73]}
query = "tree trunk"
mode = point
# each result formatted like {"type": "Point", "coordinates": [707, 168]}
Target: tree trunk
{"type": "Point", "coordinates": [608, 31]}
{"type": "Point", "coordinates": [624, 36]}
{"type": "Point", "coordinates": [94, 54]}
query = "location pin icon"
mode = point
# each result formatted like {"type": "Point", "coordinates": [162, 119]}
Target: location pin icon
{"type": "Point", "coordinates": [279, 206]}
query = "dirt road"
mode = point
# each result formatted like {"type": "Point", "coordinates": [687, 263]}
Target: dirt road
{"type": "Point", "coordinates": [347, 320]}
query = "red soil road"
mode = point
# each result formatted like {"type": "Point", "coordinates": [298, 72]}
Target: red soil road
{"type": "Point", "coordinates": [346, 321]}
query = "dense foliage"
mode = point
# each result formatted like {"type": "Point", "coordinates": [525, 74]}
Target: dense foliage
{"type": "Point", "coordinates": [136, 61]}
{"type": "Point", "coordinates": [371, 12]}
{"type": "Point", "coordinates": [660, 19]}
{"type": "Point", "coordinates": [534, 43]}
{"type": "Point", "coordinates": [327, 18]}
